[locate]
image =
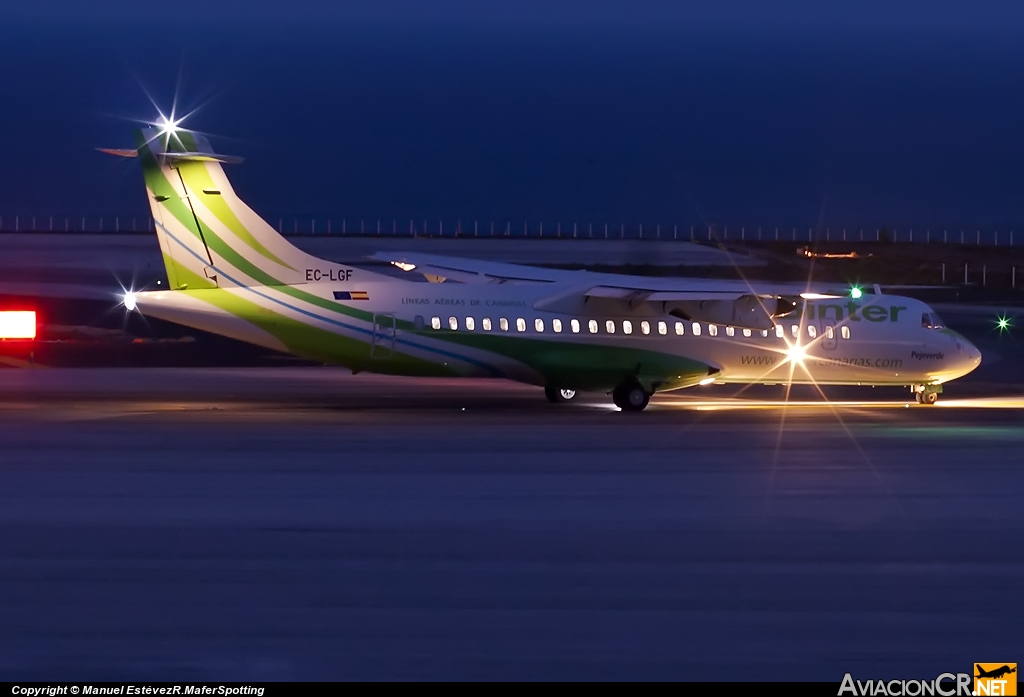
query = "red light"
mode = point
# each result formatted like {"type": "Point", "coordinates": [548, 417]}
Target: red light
{"type": "Point", "coordinates": [19, 324]}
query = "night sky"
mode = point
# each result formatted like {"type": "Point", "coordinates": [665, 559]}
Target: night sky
{"type": "Point", "coordinates": [756, 113]}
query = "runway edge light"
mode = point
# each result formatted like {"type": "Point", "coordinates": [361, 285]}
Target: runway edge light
{"type": "Point", "coordinates": [18, 324]}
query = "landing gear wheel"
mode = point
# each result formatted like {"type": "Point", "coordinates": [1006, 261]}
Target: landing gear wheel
{"type": "Point", "coordinates": [559, 396]}
{"type": "Point", "coordinates": [917, 396]}
{"type": "Point", "coordinates": [630, 396]}
{"type": "Point", "coordinates": [929, 397]}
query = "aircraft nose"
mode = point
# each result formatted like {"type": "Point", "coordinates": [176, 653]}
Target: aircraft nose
{"type": "Point", "coordinates": [970, 356]}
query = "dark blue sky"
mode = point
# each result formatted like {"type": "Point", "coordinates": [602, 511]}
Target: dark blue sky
{"type": "Point", "coordinates": [791, 113]}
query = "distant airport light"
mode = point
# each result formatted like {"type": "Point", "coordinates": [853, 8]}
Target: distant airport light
{"type": "Point", "coordinates": [19, 324]}
{"type": "Point", "coordinates": [129, 301]}
{"type": "Point", "coordinates": [856, 292]}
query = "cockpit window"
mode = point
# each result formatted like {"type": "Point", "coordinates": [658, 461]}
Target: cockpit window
{"type": "Point", "coordinates": [930, 320]}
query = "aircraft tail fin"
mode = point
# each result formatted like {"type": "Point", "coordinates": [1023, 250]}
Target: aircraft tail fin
{"type": "Point", "coordinates": [208, 236]}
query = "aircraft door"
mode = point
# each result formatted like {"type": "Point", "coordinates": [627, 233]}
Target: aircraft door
{"type": "Point", "coordinates": [384, 330]}
{"type": "Point", "coordinates": [828, 335]}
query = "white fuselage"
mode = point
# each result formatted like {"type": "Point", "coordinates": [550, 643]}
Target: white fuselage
{"type": "Point", "coordinates": [876, 340]}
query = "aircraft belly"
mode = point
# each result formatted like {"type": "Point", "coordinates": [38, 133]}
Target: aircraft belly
{"type": "Point", "coordinates": [181, 308]}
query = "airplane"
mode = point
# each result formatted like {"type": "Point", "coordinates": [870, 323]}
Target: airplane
{"type": "Point", "coordinates": [995, 673]}
{"type": "Point", "coordinates": [232, 274]}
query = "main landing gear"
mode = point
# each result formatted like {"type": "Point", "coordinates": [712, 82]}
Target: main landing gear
{"type": "Point", "coordinates": [926, 394]}
{"type": "Point", "coordinates": [631, 396]}
{"type": "Point", "coordinates": [559, 396]}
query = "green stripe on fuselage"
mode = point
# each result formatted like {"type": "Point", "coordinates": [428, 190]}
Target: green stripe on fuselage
{"type": "Point", "coordinates": [585, 366]}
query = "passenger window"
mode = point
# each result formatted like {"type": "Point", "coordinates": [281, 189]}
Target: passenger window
{"type": "Point", "coordinates": [746, 332]}
{"type": "Point", "coordinates": [713, 329]}
{"type": "Point", "coordinates": [417, 322]}
{"type": "Point", "coordinates": [453, 323]}
{"type": "Point", "coordinates": [520, 324]}
{"type": "Point", "coordinates": [592, 326]}
{"type": "Point", "coordinates": [730, 331]}
{"type": "Point", "coordinates": [844, 332]}
{"type": "Point", "coordinates": [575, 324]}
{"type": "Point", "coordinates": [627, 327]}
{"type": "Point", "coordinates": [435, 322]}
{"type": "Point", "coordinates": [829, 332]}
{"type": "Point", "coordinates": [538, 324]}
{"type": "Point", "coordinates": [812, 331]}
{"type": "Point", "coordinates": [679, 328]}
{"type": "Point", "coordinates": [556, 325]}
{"type": "Point", "coordinates": [779, 332]}
{"type": "Point", "coordinates": [764, 333]}
{"type": "Point", "coordinates": [662, 328]}
{"type": "Point", "coordinates": [503, 324]}
{"type": "Point", "coordinates": [609, 326]}
{"type": "Point", "coordinates": [795, 329]}
{"type": "Point", "coordinates": [696, 328]}
{"type": "Point", "coordinates": [470, 323]}
{"type": "Point", "coordinates": [486, 323]}
{"type": "Point", "coordinates": [645, 327]}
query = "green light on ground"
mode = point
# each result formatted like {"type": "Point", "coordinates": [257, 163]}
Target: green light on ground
{"type": "Point", "coordinates": [856, 292]}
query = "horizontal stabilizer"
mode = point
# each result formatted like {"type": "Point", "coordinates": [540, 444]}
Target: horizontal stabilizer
{"type": "Point", "coordinates": [172, 157]}
{"type": "Point", "coordinates": [200, 157]}
{"type": "Point", "coordinates": [120, 152]}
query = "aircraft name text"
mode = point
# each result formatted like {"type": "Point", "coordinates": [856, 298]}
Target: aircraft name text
{"type": "Point", "coordinates": [472, 302]}
{"type": "Point", "coordinates": [852, 311]}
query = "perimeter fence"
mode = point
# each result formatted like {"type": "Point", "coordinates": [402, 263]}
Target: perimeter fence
{"type": "Point", "coordinates": [118, 224]}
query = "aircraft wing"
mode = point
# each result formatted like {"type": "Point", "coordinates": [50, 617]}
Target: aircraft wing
{"type": "Point", "coordinates": [439, 268]}
{"type": "Point", "coordinates": [604, 285]}
{"type": "Point", "coordinates": [753, 304]}
{"type": "Point", "coordinates": [674, 289]}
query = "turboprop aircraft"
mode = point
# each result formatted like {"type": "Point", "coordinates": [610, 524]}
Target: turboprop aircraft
{"type": "Point", "coordinates": [230, 273]}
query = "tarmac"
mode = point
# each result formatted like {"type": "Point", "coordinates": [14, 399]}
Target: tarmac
{"type": "Point", "coordinates": [302, 523]}
{"type": "Point", "coordinates": [307, 524]}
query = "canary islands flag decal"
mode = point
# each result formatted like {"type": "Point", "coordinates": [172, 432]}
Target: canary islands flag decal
{"type": "Point", "coordinates": [351, 295]}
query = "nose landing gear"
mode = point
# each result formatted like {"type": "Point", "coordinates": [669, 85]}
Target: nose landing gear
{"type": "Point", "coordinates": [926, 394]}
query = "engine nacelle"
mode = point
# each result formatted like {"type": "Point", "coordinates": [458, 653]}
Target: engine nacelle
{"type": "Point", "coordinates": [747, 311]}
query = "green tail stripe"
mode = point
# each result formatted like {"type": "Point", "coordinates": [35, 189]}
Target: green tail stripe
{"type": "Point", "coordinates": [198, 178]}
